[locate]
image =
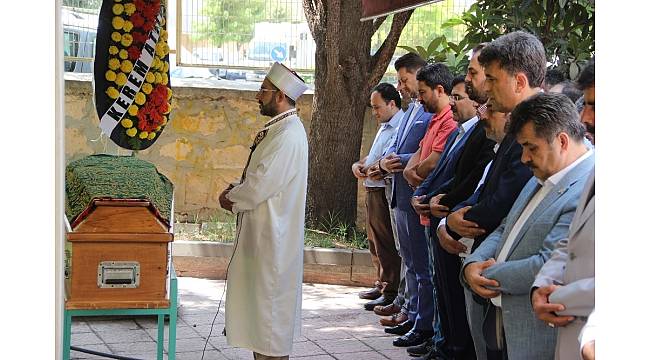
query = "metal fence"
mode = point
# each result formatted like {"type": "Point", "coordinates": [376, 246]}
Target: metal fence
{"type": "Point", "coordinates": [239, 39]}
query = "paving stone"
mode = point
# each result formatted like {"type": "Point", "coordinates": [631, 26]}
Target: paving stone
{"type": "Point", "coordinates": [209, 355]}
{"type": "Point", "coordinates": [95, 347]}
{"type": "Point", "coordinates": [339, 346]}
{"type": "Point", "coordinates": [113, 325]}
{"type": "Point", "coordinates": [190, 345]}
{"type": "Point", "coordinates": [182, 332]}
{"type": "Point", "coordinates": [204, 319]}
{"type": "Point", "coordinates": [80, 327]}
{"type": "Point", "coordinates": [306, 348]}
{"type": "Point", "coordinates": [316, 357]}
{"type": "Point", "coordinates": [128, 336]}
{"type": "Point", "coordinates": [148, 347]}
{"type": "Point", "coordinates": [396, 353]}
{"type": "Point", "coordinates": [379, 343]}
{"type": "Point", "coordinates": [365, 355]}
{"type": "Point", "coordinates": [237, 354]}
{"type": "Point", "coordinates": [80, 339]}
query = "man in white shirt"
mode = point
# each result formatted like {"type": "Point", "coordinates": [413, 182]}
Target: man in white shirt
{"type": "Point", "coordinates": [264, 279]}
{"type": "Point", "coordinates": [386, 105]}
{"type": "Point", "coordinates": [503, 267]}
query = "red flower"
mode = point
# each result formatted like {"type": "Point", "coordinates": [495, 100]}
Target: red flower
{"type": "Point", "coordinates": [137, 20]}
{"type": "Point", "coordinates": [134, 53]}
{"type": "Point", "coordinates": [139, 38]}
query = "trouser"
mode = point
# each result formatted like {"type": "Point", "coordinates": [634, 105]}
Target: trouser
{"type": "Point", "coordinates": [475, 316]}
{"type": "Point", "coordinates": [439, 337]}
{"type": "Point", "coordinates": [415, 252]}
{"type": "Point", "coordinates": [381, 242]}
{"type": "Point", "coordinates": [258, 356]}
{"type": "Point", "coordinates": [402, 299]}
{"type": "Point", "coordinates": [451, 300]}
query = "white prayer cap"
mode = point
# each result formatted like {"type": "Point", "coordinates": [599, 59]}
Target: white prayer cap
{"type": "Point", "coordinates": [287, 81]}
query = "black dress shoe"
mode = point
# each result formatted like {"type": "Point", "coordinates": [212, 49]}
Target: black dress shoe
{"type": "Point", "coordinates": [400, 329]}
{"type": "Point", "coordinates": [373, 293]}
{"type": "Point", "coordinates": [382, 301]}
{"type": "Point", "coordinates": [422, 349]}
{"type": "Point", "coordinates": [413, 338]}
{"type": "Point", "coordinates": [435, 354]}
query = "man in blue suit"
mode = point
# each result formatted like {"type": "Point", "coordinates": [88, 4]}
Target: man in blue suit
{"type": "Point", "coordinates": [410, 233]}
{"type": "Point", "coordinates": [504, 266]}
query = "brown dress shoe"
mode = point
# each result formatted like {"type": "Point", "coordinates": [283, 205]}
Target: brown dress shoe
{"type": "Point", "coordinates": [394, 319]}
{"type": "Point", "coordinates": [373, 293]}
{"type": "Point", "coordinates": [387, 310]}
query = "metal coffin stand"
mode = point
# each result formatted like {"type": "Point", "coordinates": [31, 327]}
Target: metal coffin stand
{"type": "Point", "coordinates": [119, 263]}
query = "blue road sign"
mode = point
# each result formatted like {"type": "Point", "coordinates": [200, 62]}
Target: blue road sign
{"type": "Point", "coordinates": [279, 53]}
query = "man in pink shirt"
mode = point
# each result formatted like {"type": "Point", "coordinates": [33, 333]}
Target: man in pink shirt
{"type": "Point", "coordinates": [434, 87]}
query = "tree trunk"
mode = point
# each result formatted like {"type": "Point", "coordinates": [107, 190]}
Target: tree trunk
{"type": "Point", "coordinates": [345, 74]}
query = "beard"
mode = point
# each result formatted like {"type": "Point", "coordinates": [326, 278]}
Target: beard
{"type": "Point", "coordinates": [268, 109]}
{"type": "Point", "coordinates": [475, 94]}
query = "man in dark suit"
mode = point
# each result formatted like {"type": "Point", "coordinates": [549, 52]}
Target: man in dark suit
{"type": "Point", "coordinates": [411, 237]}
{"type": "Point", "coordinates": [452, 181]}
{"type": "Point", "coordinates": [514, 65]}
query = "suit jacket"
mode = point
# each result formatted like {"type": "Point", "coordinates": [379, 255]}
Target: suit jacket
{"type": "Point", "coordinates": [526, 336]}
{"type": "Point", "coordinates": [406, 144]}
{"type": "Point", "coordinates": [492, 201]}
{"type": "Point", "coordinates": [572, 265]}
{"type": "Point", "coordinates": [472, 159]}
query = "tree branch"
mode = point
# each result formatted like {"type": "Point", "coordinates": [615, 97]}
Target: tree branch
{"type": "Point", "coordinates": [376, 24]}
{"type": "Point", "coordinates": [309, 6]}
{"type": "Point", "coordinates": [381, 58]}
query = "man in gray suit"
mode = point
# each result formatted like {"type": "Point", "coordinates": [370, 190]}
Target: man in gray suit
{"type": "Point", "coordinates": [563, 291]}
{"type": "Point", "coordinates": [503, 267]}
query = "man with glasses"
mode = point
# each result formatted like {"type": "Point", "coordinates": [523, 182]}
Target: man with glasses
{"type": "Point", "coordinates": [264, 279]}
{"type": "Point", "coordinates": [460, 167]}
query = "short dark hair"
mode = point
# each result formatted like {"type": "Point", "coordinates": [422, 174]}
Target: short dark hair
{"type": "Point", "coordinates": [457, 80]}
{"type": "Point", "coordinates": [388, 92]}
{"type": "Point", "coordinates": [479, 47]}
{"type": "Point", "coordinates": [571, 91]}
{"type": "Point", "coordinates": [554, 77]}
{"type": "Point", "coordinates": [550, 114]}
{"type": "Point", "coordinates": [436, 74]}
{"type": "Point", "coordinates": [517, 52]}
{"type": "Point", "coordinates": [587, 78]}
{"type": "Point", "coordinates": [411, 61]}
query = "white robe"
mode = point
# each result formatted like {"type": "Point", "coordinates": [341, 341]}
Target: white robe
{"type": "Point", "coordinates": [264, 286]}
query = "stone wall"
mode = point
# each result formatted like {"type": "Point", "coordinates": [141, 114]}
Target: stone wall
{"type": "Point", "coordinates": [204, 147]}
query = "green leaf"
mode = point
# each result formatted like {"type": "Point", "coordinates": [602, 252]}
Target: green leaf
{"type": "Point", "coordinates": [408, 48]}
{"type": "Point", "coordinates": [574, 70]}
{"type": "Point", "coordinates": [423, 52]}
{"type": "Point", "coordinates": [452, 22]}
{"type": "Point", "coordinates": [435, 43]}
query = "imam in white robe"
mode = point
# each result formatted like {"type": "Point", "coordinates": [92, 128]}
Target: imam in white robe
{"type": "Point", "coordinates": [264, 286]}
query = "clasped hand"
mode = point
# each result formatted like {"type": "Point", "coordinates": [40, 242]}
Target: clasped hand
{"type": "Point", "coordinates": [479, 283]}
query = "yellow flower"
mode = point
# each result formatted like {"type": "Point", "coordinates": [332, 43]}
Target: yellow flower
{"type": "Point", "coordinates": [162, 49]}
{"type": "Point", "coordinates": [127, 39]}
{"type": "Point", "coordinates": [169, 93]}
{"type": "Point", "coordinates": [143, 135]}
{"type": "Point", "coordinates": [164, 122]}
{"type": "Point", "coordinates": [158, 128]}
{"type": "Point", "coordinates": [112, 92]}
{"type": "Point", "coordinates": [126, 66]}
{"type": "Point", "coordinates": [120, 79]}
{"type": "Point", "coordinates": [150, 78]}
{"type": "Point", "coordinates": [165, 67]}
{"type": "Point", "coordinates": [118, 1]}
{"type": "Point", "coordinates": [162, 22]}
{"type": "Point", "coordinates": [133, 110]}
{"type": "Point", "coordinates": [169, 108]}
{"type": "Point", "coordinates": [165, 79]}
{"type": "Point", "coordinates": [116, 36]}
{"type": "Point", "coordinates": [113, 64]}
{"type": "Point", "coordinates": [163, 35]}
{"type": "Point", "coordinates": [158, 78]}
{"type": "Point", "coordinates": [129, 9]}
{"type": "Point", "coordinates": [113, 50]}
{"type": "Point", "coordinates": [154, 62]}
{"type": "Point", "coordinates": [110, 75]}
{"type": "Point", "coordinates": [140, 98]}
{"type": "Point", "coordinates": [151, 135]}
{"type": "Point", "coordinates": [118, 9]}
{"type": "Point", "coordinates": [127, 26]}
{"type": "Point", "coordinates": [127, 123]}
{"type": "Point", "coordinates": [123, 54]}
{"type": "Point", "coordinates": [131, 132]}
{"type": "Point", "coordinates": [146, 88]}
{"type": "Point", "coordinates": [117, 22]}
